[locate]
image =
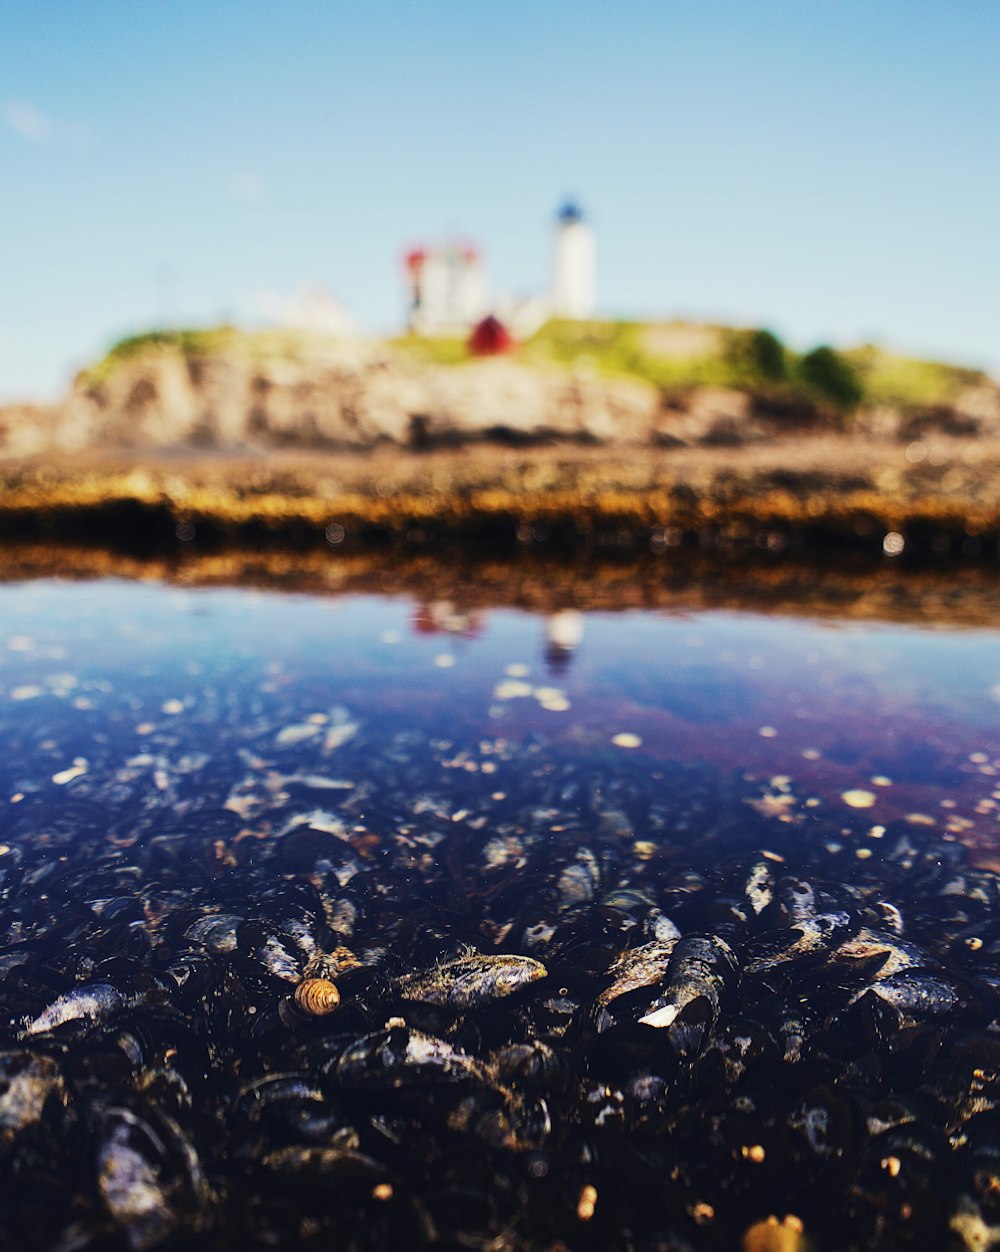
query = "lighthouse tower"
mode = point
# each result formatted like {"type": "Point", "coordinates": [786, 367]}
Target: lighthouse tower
{"type": "Point", "coordinates": [573, 278]}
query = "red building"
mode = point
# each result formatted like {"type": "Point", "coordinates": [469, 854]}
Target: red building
{"type": "Point", "coordinates": [490, 337]}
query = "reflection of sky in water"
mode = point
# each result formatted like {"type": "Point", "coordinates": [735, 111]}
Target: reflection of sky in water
{"type": "Point", "coordinates": [908, 716]}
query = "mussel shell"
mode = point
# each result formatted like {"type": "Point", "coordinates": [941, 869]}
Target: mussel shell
{"type": "Point", "coordinates": [399, 1057]}
{"type": "Point", "coordinates": [217, 933]}
{"type": "Point", "coordinates": [534, 1065]}
{"type": "Point", "coordinates": [291, 1108]}
{"type": "Point", "coordinates": [27, 1079]}
{"type": "Point", "coordinates": [149, 1175]}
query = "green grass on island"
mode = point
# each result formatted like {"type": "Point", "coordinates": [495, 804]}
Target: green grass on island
{"type": "Point", "coordinates": [675, 357]}
{"type": "Point", "coordinates": [679, 356]}
{"type": "Point", "coordinates": [202, 344]}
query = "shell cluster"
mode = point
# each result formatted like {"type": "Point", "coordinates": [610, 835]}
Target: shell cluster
{"type": "Point", "coordinates": [602, 1006]}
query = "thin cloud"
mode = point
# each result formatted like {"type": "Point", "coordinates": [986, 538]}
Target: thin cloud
{"type": "Point", "coordinates": [34, 126]}
{"type": "Point", "coordinates": [27, 121]}
{"type": "Point", "coordinates": [247, 186]}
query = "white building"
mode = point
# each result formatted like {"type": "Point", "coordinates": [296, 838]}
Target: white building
{"type": "Point", "coordinates": [573, 270]}
{"type": "Point", "coordinates": [447, 289]}
{"type": "Point", "coordinates": [310, 308]}
{"type": "Point", "coordinates": [448, 294]}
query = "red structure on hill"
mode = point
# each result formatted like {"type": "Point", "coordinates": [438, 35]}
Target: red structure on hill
{"type": "Point", "coordinates": [490, 338]}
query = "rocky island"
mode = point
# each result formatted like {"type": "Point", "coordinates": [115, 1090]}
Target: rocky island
{"type": "Point", "coordinates": [603, 434]}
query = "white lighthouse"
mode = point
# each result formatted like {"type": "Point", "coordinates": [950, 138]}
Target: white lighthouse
{"type": "Point", "coordinates": [573, 279]}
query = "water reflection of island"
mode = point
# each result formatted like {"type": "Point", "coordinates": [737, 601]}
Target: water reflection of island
{"type": "Point", "coordinates": [563, 635]}
{"type": "Point", "coordinates": [433, 617]}
{"type": "Point", "coordinates": [958, 595]}
{"type": "Point", "coordinates": [563, 629]}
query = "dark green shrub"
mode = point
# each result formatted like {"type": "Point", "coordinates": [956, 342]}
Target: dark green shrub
{"type": "Point", "coordinates": [756, 357]}
{"type": "Point", "coordinates": [768, 355]}
{"type": "Point", "coordinates": [830, 377]}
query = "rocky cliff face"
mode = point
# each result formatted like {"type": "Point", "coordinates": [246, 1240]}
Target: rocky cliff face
{"type": "Point", "coordinates": [337, 396]}
{"type": "Point", "coordinates": [334, 395]}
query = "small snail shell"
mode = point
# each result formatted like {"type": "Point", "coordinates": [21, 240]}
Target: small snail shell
{"type": "Point", "coordinates": [316, 996]}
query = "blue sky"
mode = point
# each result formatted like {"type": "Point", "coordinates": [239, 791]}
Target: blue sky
{"type": "Point", "coordinates": [828, 168]}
